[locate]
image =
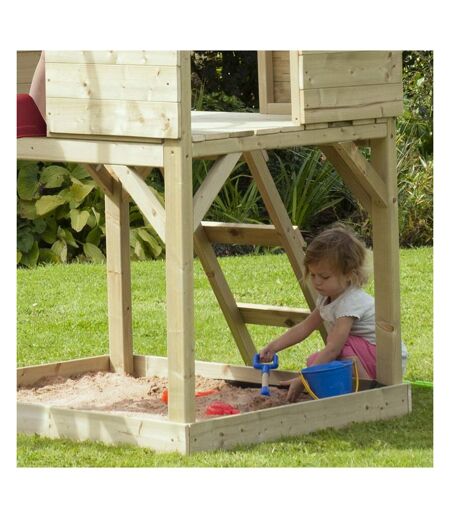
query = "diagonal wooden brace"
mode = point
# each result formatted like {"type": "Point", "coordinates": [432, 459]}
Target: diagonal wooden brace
{"type": "Point", "coordinates": [348, 177]}
{"type": "Point", "coordinates": [144, 197]}
{"type": "Point", "coordinates": [102, 177]}
{"type": "Point", "coordinates": [227, 303]}
{"type": "Point", "coordinates": [291, 238]}
{"type": "Point", "coordinates": [209, 189]}
{"type": "Point", "coordinates": [362, 171]}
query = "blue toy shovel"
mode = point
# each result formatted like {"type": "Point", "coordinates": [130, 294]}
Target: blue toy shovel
{"type": "Point", "coordinates": [266, 368]}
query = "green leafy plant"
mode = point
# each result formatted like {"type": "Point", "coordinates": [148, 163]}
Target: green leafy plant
{"type": "Point", "coordinates": [239, 200]}
{"type": "Point", "coordinates": [308, 185]}
{"type": "Point", "coordinates": [59, 214]}
{"type": "Point", "coordinates": [60, 217]}
{"type": "Point", "coordinates": [415, 194]}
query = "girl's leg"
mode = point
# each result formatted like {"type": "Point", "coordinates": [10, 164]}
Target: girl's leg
{"type": "Point", "coordinates": [362, 373]}
{"type": "Point", "coordinates": [37, 88]}
{"type": "Point", "coordinates": [364, 354]}
{"type": "Point", "coordinates": [357, 349]}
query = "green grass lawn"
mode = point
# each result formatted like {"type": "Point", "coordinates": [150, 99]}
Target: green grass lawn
{"type": "Point", "coordinates": [62, 314]}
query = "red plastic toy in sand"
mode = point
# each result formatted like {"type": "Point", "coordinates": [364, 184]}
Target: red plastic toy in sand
{"type": "Point", "coordinates": [219, 408]}
{"type": "Point", "coordinates": [206, 393]}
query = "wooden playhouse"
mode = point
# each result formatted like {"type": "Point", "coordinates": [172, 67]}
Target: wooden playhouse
{"type": "Point", "coordinates": [122, 113]}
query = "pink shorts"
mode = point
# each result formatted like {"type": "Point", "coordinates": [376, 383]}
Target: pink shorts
{"type": "Point", "coordinates": [356, 346]}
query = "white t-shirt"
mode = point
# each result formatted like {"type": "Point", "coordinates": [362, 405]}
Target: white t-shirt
{"type": "Point", "coordinates": [356, 303]}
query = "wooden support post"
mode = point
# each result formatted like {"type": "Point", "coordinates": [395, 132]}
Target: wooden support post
{"type": "Point", "coordinates": [119, 280]}
{"type": "Point", "coordinates": [386, 263]}
{"type": "Point", "coordinates": [180, 261]}
{"type": "Point", "coordinates": [265, 83]}
{"type": "Point", "coordinates": [179, 283]}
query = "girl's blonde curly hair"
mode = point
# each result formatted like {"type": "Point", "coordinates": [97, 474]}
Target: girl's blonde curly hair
{"type": "Point", "coordinates": [343, 251]}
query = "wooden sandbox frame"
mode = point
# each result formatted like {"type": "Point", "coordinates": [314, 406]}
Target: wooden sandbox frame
{"type": "Point", "coordinates": [123, 113]}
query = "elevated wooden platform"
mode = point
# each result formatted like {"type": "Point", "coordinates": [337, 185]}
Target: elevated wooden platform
{"type": "Point", "coordinates": [213, 133]}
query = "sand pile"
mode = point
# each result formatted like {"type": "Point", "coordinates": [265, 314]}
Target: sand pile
{"type": "Point", "coordinates": [114, 392]}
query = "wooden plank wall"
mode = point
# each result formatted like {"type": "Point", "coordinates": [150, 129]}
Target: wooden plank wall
{"type": "Point", "coordinates": [330, 86]}
{"type": "Point", "coordinates": [26, 63]}
{"type": "Point", "coordinates": [113, 93]}
{"type": "Point", "coordinates": [281, 77]}
{"type": "Point", "coordinates": [274, 82]}
{"type": "Point", "coordinates": [344, 86]}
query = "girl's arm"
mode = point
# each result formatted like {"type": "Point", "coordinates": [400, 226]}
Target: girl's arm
{"type": "Point", "coordinates": [294, 335]}
{"type": "Point", "coordinates": [335, 340]}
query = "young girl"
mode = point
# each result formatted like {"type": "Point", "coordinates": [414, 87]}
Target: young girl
{"type": "Point", "coordinates": [336, 262]}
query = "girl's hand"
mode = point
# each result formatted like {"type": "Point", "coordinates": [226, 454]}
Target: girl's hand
{"type": "Point", "coordinates": [295, 388]}
{"type": "Point", "coordinates": [266, 354]}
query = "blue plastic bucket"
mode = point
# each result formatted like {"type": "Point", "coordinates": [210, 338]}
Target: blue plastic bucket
{"type": "Point", "coordinates": [330, 379]}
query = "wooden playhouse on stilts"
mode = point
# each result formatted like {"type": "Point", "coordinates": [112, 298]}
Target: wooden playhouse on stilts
{"type": "Point", "coordinates": [122, 114]}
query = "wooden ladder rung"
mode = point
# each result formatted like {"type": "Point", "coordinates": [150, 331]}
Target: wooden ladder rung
{"type": "Point", "coordinates": [242, 233]}
{"type": "Point", "coordinates": [263, 314]}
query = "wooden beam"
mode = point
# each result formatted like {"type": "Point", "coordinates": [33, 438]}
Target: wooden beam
{"type": "Point", "coordinates": [102, 177]}
{"type": "Point", "coordinates": [143, 171]}
{"type": "Point", "coordinates": [81, 425]}
{"type": "Point", "coordinates": [362, 171]}
{"type": "Point", "coordinates": [180, 260]}
{"type": "Point", "coordinates": [271, 315]}
{"type": "Point", "coordinates": [386, 263]}
{"type": "Point", "coordinates": [291, 238]}
{"type": "Point", "coordinates": [222, 291]}
{"type": "Point", "coordinates": [146, 366]}
{"type": "Point", "coordinates": [119, 280]}
{"type": "Point", "coordinates": [300, 418]}
{"type": "Point", "coordinates": [265, 79]}
{"type": "Point", "coordinates": [212, 184]}
{"type": "Point", "coordinates": [292, 241]}
{"type": "Point", "coordinates": [242, 233]}
{"type": "Point", "coordinates": [179, 282]}
{"type": "Point", "coordinates": [344, 172]}
{"type": "Point", "coordinates": [33, 373]}
{"type": "Point", "coordinates": [296, 93]}
{"type": "Point", "coordinates": [89, 151]}
{"type": "Point", "coordinates": [146, 200]}
{"type": "Point", "coordinates": [294, 138]}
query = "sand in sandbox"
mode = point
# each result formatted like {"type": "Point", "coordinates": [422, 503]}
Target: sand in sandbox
{"type": "Point", "coordinates": [112, 392]}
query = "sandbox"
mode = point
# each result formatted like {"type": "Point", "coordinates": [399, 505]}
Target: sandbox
{"type": "Point", "coordinates": [124, 394]}
{"type": "Point", "coordinates": [58, 401]}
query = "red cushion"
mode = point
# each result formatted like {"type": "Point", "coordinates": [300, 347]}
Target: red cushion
{"type": "Point", "coordinates": [30, 122]}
